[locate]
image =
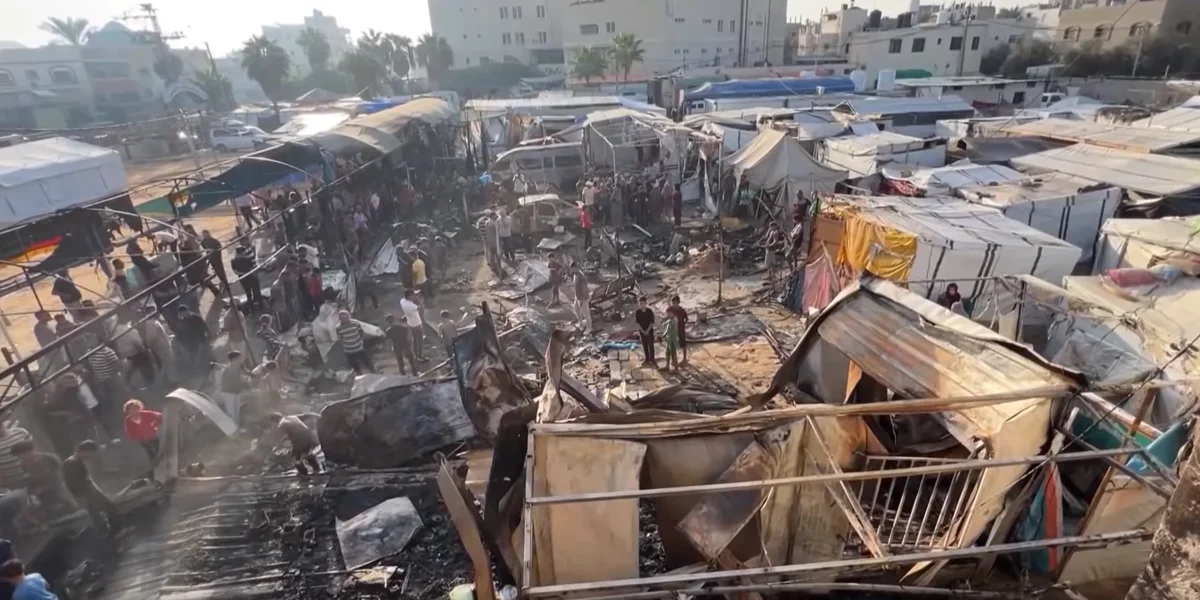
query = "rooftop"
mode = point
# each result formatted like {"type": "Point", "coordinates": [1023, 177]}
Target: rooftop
{"type": "Point", "coordinates": [951, 81]}
{"type": "Point", "coordinates": [1142, 139]}
{"type": "Point", "coordinates": [1137, 171]}
{"type": "Point", "coordinates": [883, 106]}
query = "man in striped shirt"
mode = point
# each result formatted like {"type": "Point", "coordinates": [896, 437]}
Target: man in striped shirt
{"type": "Point", "coordinates": [12, 476]}
{"type": "Point", "coordinates": [350, 333]}
{"type": "Point", "coordinates": [108, 383]}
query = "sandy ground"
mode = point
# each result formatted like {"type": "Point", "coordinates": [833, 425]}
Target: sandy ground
{"type": "Point", "coordinates": [18, 307]}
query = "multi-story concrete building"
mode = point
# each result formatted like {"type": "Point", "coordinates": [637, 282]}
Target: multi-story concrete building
{"type": "Point", "coordinates": [674, 33]}
{"type": "Point", "coordinates": [1113, 22]}
{"type": "Point", "coordinates": [482, 32]}
{"type": "Point", "coordinates": [44, 88]}
{"type": "Point", "coordinates": [287, 35]}
{"type": "Point", "coordinates": [950, 49]}
{"type": "Point", "coordinates": [1043, 18]}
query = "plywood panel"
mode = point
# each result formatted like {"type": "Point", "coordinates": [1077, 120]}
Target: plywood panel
{"type": "Point", "coordinates": [591, 541]}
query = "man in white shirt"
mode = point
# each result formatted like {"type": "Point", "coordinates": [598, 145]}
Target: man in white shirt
{"type": "Point", "coordinates": [589, 194]}
{"type": "Point", "coordinates": [504, 230]}
{"type": "Point", "coordinates": [245, 205]}
{"type": "Point", "coordinates": [412, 318]}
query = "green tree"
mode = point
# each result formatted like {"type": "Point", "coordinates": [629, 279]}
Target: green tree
{"type": "Point", "coordinates": [316, 49]}
{"type": "Point", "coordinates": [400, 58]}
{"type": "Point", "coordinates": [1009, 13]}
{"type": "Point", "coordinates": [71, 30]}
{"type": "Point", "coordinates": [1013, 60]}
{"type": "Point", "coordinates": [588, 62]}
{"type": "Point", "coordinates": [217, 87]}
{"type": "Point", "coordinates": [627, 50]}
{"type": "Point", "coordinates": [268, 65]}
{"type": "Point", "coordinates": [366, 69]}
{"type": "Point", "coordinates": [435, 54]}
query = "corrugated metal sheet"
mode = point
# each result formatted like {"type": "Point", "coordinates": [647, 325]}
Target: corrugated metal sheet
{"type": "Point", "coordinates": [1142, 139]}
{"type": "Point", "coordinates": [1136, 171]}
{"type": "Point", "coordinates": [1185, 117]}
{"type": "Point", "coordinates": [884, 142]}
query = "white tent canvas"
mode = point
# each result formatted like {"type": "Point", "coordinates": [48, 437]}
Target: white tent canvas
{"type": "Point", "coordinates": [774, 160]}
{"type": "Point", "coordinates": [39, 178]}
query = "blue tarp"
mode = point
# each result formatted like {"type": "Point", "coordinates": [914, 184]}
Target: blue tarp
{"type": "Point", "coordinates": [762, 88]}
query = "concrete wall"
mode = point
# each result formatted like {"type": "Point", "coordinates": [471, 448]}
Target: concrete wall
{"type": "Point", "coordinates": [1119, 24]}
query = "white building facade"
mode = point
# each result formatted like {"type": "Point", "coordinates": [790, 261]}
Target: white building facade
{"type": "Point", "coordinates": [674, 33]}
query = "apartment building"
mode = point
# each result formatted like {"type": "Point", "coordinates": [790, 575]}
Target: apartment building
{"type": "Point", "coordinates": [287, 35]}
{"type": "Point", "coordinates": [45, 88]}
{"type": "Point", "coordinates": [1043, 18]}
{"type": "Point", "coordinates": [950, 49]}
{"type": "Point", "coordinates": [482, 32]}
{"type": "Point", "coordinates": [828, 34]}
{"type": "Point", "coordinates": [674, 33]}
{"type": "Point", "coordinates": [1112, 23]}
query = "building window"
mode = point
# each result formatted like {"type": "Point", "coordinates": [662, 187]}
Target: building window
{"type": "Point", "coordinates": [32, 75]}
{"type": "Point", "coordinates": [589, 30]}
{"type": "Point", "coordinates": [894, 46]}
{"type": "Point", "coordinates": [485, 61]}
{"type": "Point", "coordinates": [1018, 98]}
{"type": "Point", "coordinates": [541, 12]}
{"type": "Point", "coordinates": [918, 45]}
{"type": "Point", "coordinates": [720, 25]}
{"type": "Point", "coordinates": [6, 79]}
{"type": "Point", "coordinates": [680, 19]}
{"type": "Point", "coordinates": [610, 27]}
{"type": "Point", "coordinates": [468, 61]}
{"type": "Point", "coordinates": [516, 12]}
{"type": "Point", "coordinates": [732, 26]}
{"type": "Point", "coordinates": [707, 21]}
{"type": "Point", "coordinates": [975, 43]}
{"type": "Point", "coordinates": [1139, 30]}
{"type": "Point", "coordinates": [1071, 34]}
{"type": "Point", "coordinates": [955, 88]}
{"type": "Point", "coordinates": [503, 12]}
{"type": "Point", "coordinates": [506, 38]}
{"type": "Point", "coordinates": [939, 41]}
{"type": "Point", "coordinates": [521, 39]}
{"type": "Point", "coordinates": [686, 51]}
{"type": "Point", "coordinates": [63, 75]}
{"type": "Point", "coordinates": [542, 37]}
{"type": "Point", "coordinates": [677, 51]}
{"type": "Point", "coordinates": [846, 48]}
{"type": "Point", "coordinates": [956, 43]}
{"type": "Point", "coordinates": [1183, 27]}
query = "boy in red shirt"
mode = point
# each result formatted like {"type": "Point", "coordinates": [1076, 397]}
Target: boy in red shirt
{"type": "Point", "coordinates": [141, 426]}
{"type": "Point", "coordinates": [585, 221]}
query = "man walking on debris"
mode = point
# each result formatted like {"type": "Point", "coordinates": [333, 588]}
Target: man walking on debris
{"type": "Point", "coordinates": [583, 297]}
{"type": "Point", "coordinates": [213, 246]}
{"type": "Point", "coordinates": [679, 313]}
{"type": "Point", "coordinates": [243, 264]}
{"type": "Point", "coordinates": [398, 335]}
{"type": "Point", "coordinates": [303, 441]}
{"type": "Point", "coordinates": [43, 479]}
{"type": "Point", "coordinates": [447, 330]}
{"type": "Point", "coordinates": [194, 337]}
{"type": "Point", "coordinates": [416, 325]}
{"type": "Point", "coordinates": [353, 340]}
{"type": "Point", "coordinates": [87, 494]}
{"type": "Point", "coordinates": [644, 317]}
{"type": "Point", "coordinates": [504, 229]}
{"type": "Point", "coordinates": [557, 276]}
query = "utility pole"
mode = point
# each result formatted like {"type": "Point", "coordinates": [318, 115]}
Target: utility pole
{"type": "Point", "coordinates": [962, 48]}
{"type": "Point", "coordinates": [1137, 56]}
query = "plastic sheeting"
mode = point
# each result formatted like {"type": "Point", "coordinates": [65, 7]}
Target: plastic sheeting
{"type": "Point", "coordinates": [759, 88]}
{"type": "Point", "coordinates": [39, 178]}
{"type": "Point", "coordinates": [774, 159]}
{"type": "Point", "coordinates": [378, 532]}
{"type": "Point", "coordinates": [877, 248]}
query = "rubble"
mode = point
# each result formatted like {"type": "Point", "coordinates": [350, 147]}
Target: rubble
{"type": "Point", "coordinates": [378, 532]}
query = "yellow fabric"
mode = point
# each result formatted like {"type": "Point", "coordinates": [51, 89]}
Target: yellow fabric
{"type": "Point", "coordinates": [877, 249]}
{"type": "Point", "coordinates": [418, 270]}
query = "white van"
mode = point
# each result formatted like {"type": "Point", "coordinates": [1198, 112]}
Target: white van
{"type": "Point", "coordinates": [238, 138]}
{"type": "Point", "coordinates": [557, 164]}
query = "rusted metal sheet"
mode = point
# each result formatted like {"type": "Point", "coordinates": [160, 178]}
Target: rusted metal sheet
{"type": "Point", "coordinates": [717, 518]}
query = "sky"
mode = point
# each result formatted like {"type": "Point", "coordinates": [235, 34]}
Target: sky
{"type": "Point", "coordinates": [224, 24]}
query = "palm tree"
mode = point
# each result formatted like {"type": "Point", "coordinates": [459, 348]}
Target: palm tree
{"type": "Point", "coordinates": [365, 68]}
{"type": "Point", "coordinates": [372, 41]}
{"type": "Point", "coordinates": [435, 54]}
{"type": "Point", "coordinates": [589, 62]}
{"type": "Point", "coordinates": [74, 31]}
{"type": "Point", "coordinates": [400, 54]}
{"type": "Point", "coordinates": [217, 87]}
{"type": "Point", "coordinates": [268, 64]}
{"type": "Point", "coordinates": [316, 48]}
{"type": "Point", "coordinates": [627, 49]}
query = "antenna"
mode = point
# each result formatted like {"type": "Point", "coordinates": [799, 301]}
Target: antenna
{"type": "Point", "coordinates": [147, 12]}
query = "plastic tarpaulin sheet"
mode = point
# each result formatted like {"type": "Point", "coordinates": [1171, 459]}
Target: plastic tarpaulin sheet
{"type": "Point", "coordinates": [773, 160]}
{"type": "Point", "coordinates": [877, 249]}
{"type": "Point", "coordinates": [378, 532]}
{"type": "Point", "coordinates": [759, 88]}
{"type": "Point", "coordinates": [39, 178]}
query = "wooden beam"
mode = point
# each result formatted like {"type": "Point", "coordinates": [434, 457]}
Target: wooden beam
{"type": "Point", "coordinates": [469, 524]}
{"type": "Point", "coordinates": [677, 581]}
{"type": "Point", "coordinates": [826, 477]}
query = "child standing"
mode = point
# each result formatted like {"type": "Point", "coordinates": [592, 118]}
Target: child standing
{"type": "Point", "coordinates": [448, 331]}
{"type": "Point", "coordinates": [672, 339]}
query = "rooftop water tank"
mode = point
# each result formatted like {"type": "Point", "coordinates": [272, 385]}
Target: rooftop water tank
{"type": "Point", "coordinates": [859, 77]}
{"type": "Point", "coordinates": [886, 81]}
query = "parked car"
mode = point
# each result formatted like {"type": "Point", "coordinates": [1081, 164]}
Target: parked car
{"type": "Point", "coordinates": [546, 212]}
{"type": "Point", "coordinates": [239, 139]}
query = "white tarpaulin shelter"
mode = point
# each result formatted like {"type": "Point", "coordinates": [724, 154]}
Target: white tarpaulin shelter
{"type": "Point", "coordinates": [1152, 174]}
{"type": "Point", "coordinates": [774, 160]}
{"type": "Point", "coordinates": [866, 154]}
{"type": "Point", "coordinates": [1143, 243]}
{"type": "Point", "coordinates": [1066, 207]}
{"type": "Point", "coordinates": [39, 178]}
{"type": "Point", "coordinates": [932, 242]}
{"type": "Point", "coordinates": [944, 180]}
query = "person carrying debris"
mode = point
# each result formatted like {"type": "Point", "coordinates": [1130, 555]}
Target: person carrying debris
{"type": "Point", "coordinates": [583, 297]}
{"type": "Point", "coordinates": [302, 439]}
{"type": "Point", "coordinates": [353, 338]}
{"type": "Point", "coordinates": [644, 317]}
{"type": "Point", "coordinates": [87, 494]}
{"type": "Point", "coordinates": [401, 344]}
{"type": "Point", "coordinates": [679, 313]}
{"type": "Point", "coordinates": [448, 331]}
